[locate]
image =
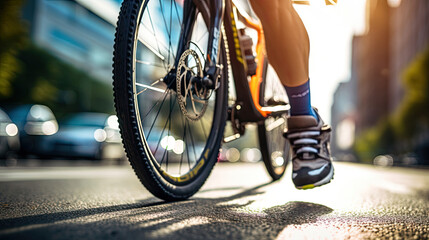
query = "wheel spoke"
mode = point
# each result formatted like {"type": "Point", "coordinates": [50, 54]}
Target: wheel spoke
{"type": "Point", "coordinates": [169, 132]}
{"type": "Point", "coordinates": [163, 129]}
{"type": "Point", "coordinates": [157, 102]}
{"type": "Point", "coordinates": [146, 87]}
{"type": "Point", "coordinates": [154, 32]}
{"type": "Point", "coordinates": [204, 129]}
{"type": "Point", "coordinates": [149, 63]}
{"type": "Point", "coordinates": [169, 39]}
{"type": "Point", "coordinates": [156, 116]}
{"type": "Point", "coordinates": [168, 30]}
{"type": "Point", "coordinates": [152, 49]}
{"type": "Point", "coordinates": [177, 14]}
{"type": "Point", "coordinates": [192, 140]}
{"type": "Point", "coordinates": [185, 145]}
{"type": "Point", "coordinates": [149, 39]}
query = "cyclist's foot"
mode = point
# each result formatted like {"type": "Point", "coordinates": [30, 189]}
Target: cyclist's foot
{"type": "Point", "coordinates": [309, 139]}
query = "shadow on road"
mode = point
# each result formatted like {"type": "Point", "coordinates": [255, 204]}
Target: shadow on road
{"type": "Point", "coordinates": [197, 218]}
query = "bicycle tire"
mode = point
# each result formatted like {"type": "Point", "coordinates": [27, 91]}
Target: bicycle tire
{"type": "Point", "coordinates": [275, 149]}
{"type": "Point", "coordinates": [136, 138]}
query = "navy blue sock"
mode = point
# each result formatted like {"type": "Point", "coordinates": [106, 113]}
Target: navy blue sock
{"type": "Point", "coordinates": [299, 100]}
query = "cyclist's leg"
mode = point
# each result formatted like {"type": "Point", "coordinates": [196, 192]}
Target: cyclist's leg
{"type": "Point", "coordinates": [286, 39]}
{"type": "Point", "coordinates": [288, 50]}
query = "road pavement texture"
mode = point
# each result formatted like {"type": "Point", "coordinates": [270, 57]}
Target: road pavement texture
{"type": "Point", "coordinates": [237, 202]}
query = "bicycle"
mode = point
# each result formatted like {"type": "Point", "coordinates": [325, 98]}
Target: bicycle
{"type": "Point", "coordinates": [172, 61]}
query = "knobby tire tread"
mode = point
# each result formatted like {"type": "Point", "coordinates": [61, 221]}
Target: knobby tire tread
{"type": "Point", "coordinates": [122, 86]}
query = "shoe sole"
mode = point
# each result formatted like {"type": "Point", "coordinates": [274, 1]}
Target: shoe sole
{"type": "Point", "coordinates": [324, 181]}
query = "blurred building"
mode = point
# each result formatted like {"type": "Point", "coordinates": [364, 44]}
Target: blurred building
{"type": "Point", "coordinates": [396, 32]}
{"type": "Point", "coordinates": [395, 36]}
{"type": "Point", "coordinates": [371, 63]}
{"type": "Point", "coordinates": [79, 32]}
{"type": "Point", "coordinates": [343, 120]}
{"type": "Point", "coordinates": [361, 102]}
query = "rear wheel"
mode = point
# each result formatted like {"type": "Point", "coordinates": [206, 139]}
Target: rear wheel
{"type": "Point", "coordinates": [171, 127]}
{"type": "Point", "coordinates": [275, 148]}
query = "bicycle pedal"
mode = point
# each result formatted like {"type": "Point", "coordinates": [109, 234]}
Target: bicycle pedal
{"type": "Point", "coordinates": [231, 138]}
{"type": "Point", "coordinates": [279, 109]}
{"type": "Point", "coordinates": [275, 102]}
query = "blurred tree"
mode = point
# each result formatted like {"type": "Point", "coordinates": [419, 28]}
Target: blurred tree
{"type": "Point", "coordinates": [413, 115]}
{"type": "Point", "coordinates": [376, 141]}
{"type": "Point", "coordinates": [45, 79]}
{"type": "Point", "coordinates": [12, 38]}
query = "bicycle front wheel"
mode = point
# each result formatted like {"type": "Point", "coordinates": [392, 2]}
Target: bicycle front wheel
{"type": "Point", "coordinates": [275, 148]}
{"type": "Point", "coordinates": [171, 127]}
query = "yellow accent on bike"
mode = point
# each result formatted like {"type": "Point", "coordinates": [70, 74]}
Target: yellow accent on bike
{"type": "Point", "coordinates": [309, 186]}
{"type": "Point", "coordinates": [189, 175]}
{"type": "Point", "coordinates": [236, 40]}
{"type": "Point", "coordinates": [206, 154]}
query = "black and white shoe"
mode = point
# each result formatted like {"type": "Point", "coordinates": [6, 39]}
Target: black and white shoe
{"type": "Point", "coordinates": [310, 142]}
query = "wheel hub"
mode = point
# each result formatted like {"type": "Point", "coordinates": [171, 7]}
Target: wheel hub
{"type": "Point", "coordinates": [191, 94]}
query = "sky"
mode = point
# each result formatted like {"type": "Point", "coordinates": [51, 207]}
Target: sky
{"type": "Point", "coordinates": [330, 29]}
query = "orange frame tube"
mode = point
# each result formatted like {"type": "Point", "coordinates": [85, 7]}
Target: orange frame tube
{"type": "Point", "coordinates": [256, 80]}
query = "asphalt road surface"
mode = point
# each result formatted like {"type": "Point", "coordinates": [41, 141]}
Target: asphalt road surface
{"type": "Point", "coordinates": [237, 202]}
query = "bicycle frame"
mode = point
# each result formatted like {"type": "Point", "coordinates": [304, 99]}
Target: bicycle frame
{"type": "Point", "coordinates": [226, 13]}
{"type": "Point", "coordinates": [224, 16]}
{"type": "Point", "coordinates": [250, 109]}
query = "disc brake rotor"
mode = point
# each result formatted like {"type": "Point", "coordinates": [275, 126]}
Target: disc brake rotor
{"type": "Point", "coordinates": [192, 97]}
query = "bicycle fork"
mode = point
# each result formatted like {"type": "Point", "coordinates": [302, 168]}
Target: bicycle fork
{"type": "Point", "coordinates": [212, 70]}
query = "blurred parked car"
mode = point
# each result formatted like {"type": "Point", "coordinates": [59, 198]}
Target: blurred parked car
{"type": "Point", "coordinates": [9, 139]}
{"type": "Point", "coordinates": [35, 123]}
{"type": "Point", "coordinates": [87, 135]}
